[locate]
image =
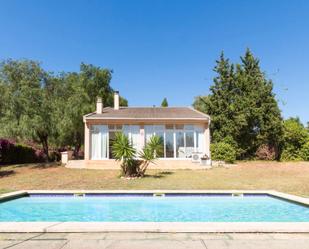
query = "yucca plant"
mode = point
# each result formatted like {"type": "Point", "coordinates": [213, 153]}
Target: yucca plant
{"type": "Point", "coordinates": [124, 152]}
{"type": "Point", "coordinates": [152, 150]}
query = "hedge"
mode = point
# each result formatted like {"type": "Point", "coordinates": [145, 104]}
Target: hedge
{"type": "Point", "coordinates": [11, 153]}
{"type": "Point", "coordinates": [304, 151]}
{"type": "Point", "coordinates": [223, 152]}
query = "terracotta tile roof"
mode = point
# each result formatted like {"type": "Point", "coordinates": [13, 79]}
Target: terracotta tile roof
{"type": "Point", "coordinates": [149, 113]}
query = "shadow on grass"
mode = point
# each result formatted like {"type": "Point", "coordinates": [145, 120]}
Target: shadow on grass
{"type": "Point", "coordinates": [5, 173]}
{"type": "Point", "coordinates": [45, 165]}
{"type": "Point", "coordinates": [160, 174]}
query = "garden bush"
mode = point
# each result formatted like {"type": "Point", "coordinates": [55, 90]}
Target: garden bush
{"type": "Point", "coordinates": [290, 153]}
{"type": "Point", "coordinates": [266, 152]}
{"type": "Point", "coordinates": [54, 156]}
{"type": "Point", "coordinates": [295, 136]}
{"type": "Point", "coordinates": [223, 152]}
{"type": "Point", "coordinates": [304, 151]}
{"type": "Point", "coordinates": [17, 153]}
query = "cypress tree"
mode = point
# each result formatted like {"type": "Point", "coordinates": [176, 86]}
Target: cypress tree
{"type": "Point", "coordinates": [164, 103]}
{"type": "Point", "coordinates": [242, 106]}
{"type": "Point", "coordinates": [258, 106]}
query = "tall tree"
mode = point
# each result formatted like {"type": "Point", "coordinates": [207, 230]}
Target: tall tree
{"type": "Point", "coordinates": [243, 107]}
{"type": "Point", "coordinates": [221, 103]}
{"type": "Point", "coordinates": [164, 103]}
{"type": "Point", "coordinates": [260, 107]}
{"type": "Point", "coordinates": [49, 108]}
{"type": "Point", "coordinates": [78, 94]}
{"type": "Point", "coordinates": [27, 114]}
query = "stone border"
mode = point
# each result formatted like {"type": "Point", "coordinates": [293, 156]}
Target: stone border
{"type": "Point", "coordinates": [160, 227]}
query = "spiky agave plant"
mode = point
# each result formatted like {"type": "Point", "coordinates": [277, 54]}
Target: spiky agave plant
{"type": "Point", "coordinates": [124, 152]}
{"type": "Point", "coordinates": [152, 150]}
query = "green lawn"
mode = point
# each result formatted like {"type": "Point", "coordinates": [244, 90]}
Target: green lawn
{"type": "Point", "coordinates": [286, 177]}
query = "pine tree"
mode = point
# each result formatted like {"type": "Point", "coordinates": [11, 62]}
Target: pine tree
{"type": "Point", "coordinates": [164, 103]}
{"type": "Point", "coordinates": [242, 106]}
{"type": "Point", "coordinates": [259, 108]}
{"type": "Point", "coordinates": [220, 104]}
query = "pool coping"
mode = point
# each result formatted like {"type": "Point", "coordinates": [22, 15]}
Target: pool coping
{"type": "Point", "coordinates": [174, 227]}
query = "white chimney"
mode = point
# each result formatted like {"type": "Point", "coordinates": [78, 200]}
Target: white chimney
{"type": "Point", "coordinates": [116, 100]}
{"type": "Point", "coordinates": [99, 106]}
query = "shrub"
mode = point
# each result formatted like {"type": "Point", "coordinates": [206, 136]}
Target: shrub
{"type": "Point", "coordinates": [17, 153]}
{"type": "Point", "coordinates": [41, 156]}
{"type": "Point", "coordinates": [54, 156]}
{"type": "Point", "coordinates": [295, 137]}
{"type": "Point", "coordinates": [290, 153]}
{"type": "Point", "coordinates": [124, 152]}
{"type": "Point", "coordinates": [304, 152]}
{"type": "Point", "coordinates": [266, 152]}
{"type": "Point", "coordinates": [223, 152]}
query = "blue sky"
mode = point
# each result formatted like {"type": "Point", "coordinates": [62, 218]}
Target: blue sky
{"type": "Point", "coordinates": [164, 48]}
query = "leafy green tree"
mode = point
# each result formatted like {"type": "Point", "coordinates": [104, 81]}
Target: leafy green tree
{"type": "Point", "coordinates": [304, 151]}
{"type": "Point", "coordinates": [295, 137]}
{"type": "Point", "coordinates": [259, 107]}
{"type": "Point", "coordinates": [77, 94]}
{"type": "Point", "coordinates": [47, 108]}
{"type": "Point", "coordinates": [242, 106]}
{"type": "Point", "coordinates": [220, 104]}
{"type": "Point", "coordinates": [3, 99]}
{"type": "Point", "coordinates": [164, 103]}
{"type": "Point", "coordinates": [27, 114]}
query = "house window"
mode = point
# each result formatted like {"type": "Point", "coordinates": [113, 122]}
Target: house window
{"type": "Point", "coordinates": [131, 131]}
{"type": "Point", "coordinates": [99, 142]}
{"type": "Point", "coordinates": [169, 144]}
{"type": "Point", "coordinates": [179, 127]}
{"type": "Point", "coordinates": [169, 127]}
{"type": "Point", "coordinates": [180, 144]}
{"type": "Point", "coordinates": [200, 141]}
{"type": "Point", "coordinates": [112, 130]}
{"type": "Point", "coordinates": [179, 141]}
{"type": "Point", "coordinates": [149, 132]}
{"type": "Point", "coordinates": [189, 138]}
{"type": "Point", "coordinates": [158, 130]}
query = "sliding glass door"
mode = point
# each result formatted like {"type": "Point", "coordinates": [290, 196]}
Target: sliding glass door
{"type": "Point", "coordinates": [169, 144]}
{"type": "Point", "coordinates": [180, 141]}
{"type": "Point", "coordinates": [99, 143]}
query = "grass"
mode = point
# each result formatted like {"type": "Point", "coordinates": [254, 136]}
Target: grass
{"type": "Point", "coordinates": [286, 177]}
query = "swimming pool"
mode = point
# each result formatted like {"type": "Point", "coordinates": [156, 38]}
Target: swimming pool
{"type": "Point", "coordinates": [149, 208]}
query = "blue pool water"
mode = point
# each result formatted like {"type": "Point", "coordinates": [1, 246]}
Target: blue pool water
{"type": "Point", "coordinates": [158, 209]}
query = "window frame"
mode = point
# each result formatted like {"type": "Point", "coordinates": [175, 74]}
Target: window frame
{"type": "Point", "coordinates": [186, 128]}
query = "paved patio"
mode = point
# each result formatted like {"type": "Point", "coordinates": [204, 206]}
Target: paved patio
{"type": "Point", "coordinates": [153, 241]}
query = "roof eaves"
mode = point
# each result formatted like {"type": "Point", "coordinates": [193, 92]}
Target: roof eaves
{"type": "Point", "coordinates": [128, 118]}
{"type": "Point", "coordinates": [87, 115]}
{"type": "Point", "coordinates": [206, 115]}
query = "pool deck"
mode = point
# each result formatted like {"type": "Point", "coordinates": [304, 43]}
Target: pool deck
{"type": "Point", "coordinates": [153, 241]}
{"type": "Point", "coordinates": [158, 227]}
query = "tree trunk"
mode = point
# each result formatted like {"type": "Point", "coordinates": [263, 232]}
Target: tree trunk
{"type": "Point", "coordinates": [76, 150]}
{"type": "Point", "coordinates": [78, 144]}
{"type": "Point", "coordinates": [44, 142]}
